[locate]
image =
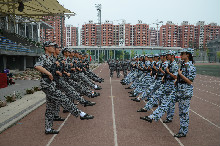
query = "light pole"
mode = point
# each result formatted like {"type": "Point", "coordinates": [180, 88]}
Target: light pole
{"type": "Point", "coordinates": [98, 8]}
{"type": "Point", "coordinates": [157, 23]}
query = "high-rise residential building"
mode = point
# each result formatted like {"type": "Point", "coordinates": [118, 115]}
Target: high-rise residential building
{"type": "Point", "coordinates": [211, 32]}
{"type": "Point", "coordinates": [186, 35]}
{"type": "Point", "coordinates": [107, 34]}
{"type": "Point", "coordinates": [169, 35]}
{"type": "Point", "coordinates": [71, 35]}
{"type": "Point", "coordinates": [57, 34]}
{"type": "Point", "coordinates": [89, 34]}
{"type": "Point", "coordinates": [205, 33]}
{"type": "Point", "coordinates": [115, 35]}
{"type": "Point", "coordinates": [199, 34]}
{"type": "Point", "coordinates": [154, 36]}
{"type": "Point", "coordinates": [142, 34]}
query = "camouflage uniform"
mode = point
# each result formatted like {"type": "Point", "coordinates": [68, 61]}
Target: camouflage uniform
{"type": "Point", "coordinates": [184, 95]}
{"type": "Point", "coordinates": [53, 95]}
{"type": "Point", "coordinates": [168, 95]}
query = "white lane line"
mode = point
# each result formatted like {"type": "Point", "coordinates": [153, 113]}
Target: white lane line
{"type": "Point", "coordinates": [113, 117]}
{"type": "Point", "coordinates": [206, 101]}
{"type": "Point", "coordinates": [205, 119]}
{"type": "Point", "coordinates": [171, 132]}
{"type": "Point", "coordinates": [207, 91]}
{"type": "Point", "coordinates": [51, 140]}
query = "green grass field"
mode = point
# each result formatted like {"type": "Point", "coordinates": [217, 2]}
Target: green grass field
{"type": "Point", "coordinates": [211, 70]}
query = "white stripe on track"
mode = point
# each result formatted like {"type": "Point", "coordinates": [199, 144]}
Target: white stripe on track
{"type": "Point", "coordinates": [204, 119]}
{"type": "Point", "coordinates": [171, 132]}
{"type": "Point", "coordinates": [51, 140]}
{"type": "Point", "coordinates": [206, 101]}
{"type": "Point", "coordinates": [113, 117]}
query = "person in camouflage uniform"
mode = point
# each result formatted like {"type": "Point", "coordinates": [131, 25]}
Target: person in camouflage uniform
{"type": "Point", "coordinates": [168, 91]}
{"type": "Point", "coordinates": [63, 85]}
{"type": "Point", "coordinates": [124, 67]}
{"type": "Point", "coordinates": [111, 67]}
{"type": "Point", "coordinates": [53, 95]}
{"type": "Point", "coordinates": [118, 68]}
{"type": "Point", "coordinates": [158, 86]}
{"type": "Point", "coordinates": [186, 75]}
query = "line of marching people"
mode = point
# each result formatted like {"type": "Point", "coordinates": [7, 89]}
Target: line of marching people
{"type": "Point", "coordinates": [158, 80]}
{"type": "Point", "coordinates": [66, 79]}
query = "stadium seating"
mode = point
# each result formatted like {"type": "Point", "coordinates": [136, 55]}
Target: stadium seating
{"type": "Point", "coordinates": [9, 45]}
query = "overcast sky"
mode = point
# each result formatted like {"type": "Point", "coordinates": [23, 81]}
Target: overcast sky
{"type": "Point", "coordinates": [146, 10]}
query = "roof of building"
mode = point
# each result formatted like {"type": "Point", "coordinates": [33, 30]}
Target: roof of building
{"type": "Point", "coordinates": [34, 9]}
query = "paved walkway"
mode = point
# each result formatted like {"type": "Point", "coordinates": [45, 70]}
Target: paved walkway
{"type": "Point", "coordinates": [116, 121]}
{"type": "Point", "coordinates": [20, 86]}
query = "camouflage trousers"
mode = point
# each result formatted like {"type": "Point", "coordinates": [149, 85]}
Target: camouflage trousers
{"type": "Point", "coordinates": [80, 87]}
{"type": "Point", "coordinates": [125, 73]}
{"type": "Point", "coordinates": [184, 95]}
{"type": "Point", "coordinates": [70, 92]}
{"type": "Point", "coordinates": [86, 80]}
{"type": "Point", "coordinates": [167, 102]}
{"type": "Point", "coordinates": [54, 96]}
{"type": "Point", "coordinates": [151, 90]}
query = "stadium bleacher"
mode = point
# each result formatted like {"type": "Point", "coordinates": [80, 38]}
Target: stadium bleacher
{"type": "Point", "coordinates": [9, 45]}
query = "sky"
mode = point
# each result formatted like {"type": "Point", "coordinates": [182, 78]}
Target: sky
{"type": "Point", "coordinates": [149, 11]}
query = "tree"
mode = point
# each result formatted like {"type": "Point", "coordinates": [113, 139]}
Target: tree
{"type": "Point", "coordinates": [218, 55]}
{"type": "Point", "coordinates": [111, 54]}
{"type": "Point", "coordinates": [132, 53]}
{"type": "Point", "coordinates": [197, 53]}
{"type": "Point", "coordinates": [143, 52]}
{"type": "Point", "coordinates": [191, 44]}
{"type": "Point", "coordinates": [101, 58]}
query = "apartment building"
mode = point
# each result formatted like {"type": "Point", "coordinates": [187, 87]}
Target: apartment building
{"type": "Point", "coordinates": [71, 35]}
{"type": "Point", "coordinates": [169, 35]}
{"type": "Point", "coordinates": [58, 34]}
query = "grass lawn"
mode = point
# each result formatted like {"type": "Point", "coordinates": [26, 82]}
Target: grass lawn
{"type": "Point", "coordinates": [211, 70]}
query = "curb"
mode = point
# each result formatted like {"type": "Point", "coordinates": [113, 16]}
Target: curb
{"type": "Point", "coordinates": [15, 118]}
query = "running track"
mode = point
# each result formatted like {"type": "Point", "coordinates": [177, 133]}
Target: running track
{"type": "Point", "coordinates": [116, 121]}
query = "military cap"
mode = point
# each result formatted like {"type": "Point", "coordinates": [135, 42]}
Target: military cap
{"type": "Point", "coordinates": [150, 56]}
{"type": "Point", "coordinates": [171, 52]}
{"type": "Point", "coordinates": [188, 50]}
{"type": "Point", "coordinates": [48, 43]}
{"type": "Point", "coordinates": [156, 55]}
{"type": "Point", "coordinates": [65, 50]}
{"type": "Point", "coordinates": [163, 54]}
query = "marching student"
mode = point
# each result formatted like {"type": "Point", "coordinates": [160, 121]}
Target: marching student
{"type": "Point", "coordinates": [186, 75]}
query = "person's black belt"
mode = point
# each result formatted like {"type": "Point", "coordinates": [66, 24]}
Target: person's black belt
{"type": "Point", "coordinates": [160, 75]}
{"type": "Point", "coordinates": [182, 82]}
{"type": "Point", "coordinates": [170, 79]}
{"type": "Point", "coordinates": [45, 76]}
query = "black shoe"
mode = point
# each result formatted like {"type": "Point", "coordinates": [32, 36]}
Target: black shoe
{"type": "Point", "coordinates": [87, 117]}
{"type": "Point", "coordinates": [135, 99]}
{"type": "Point", "coordinates": [97, 94]}
{"type": "Point", "coordinates": [98, 88]}
{"type": "Point", "coordinates": [52, 131]}
{"type": "Point", "coordinates": [88, 103]}
{"type": "Point", "coordinates": [179, 135]}
{"type": "Point", "coordinates": [131, 92]}
{"type": "Point", "coordinates": [65, 111]}
{"type": "Point", "coordinates": [167, 121]}
{"type": "Point", "coordinates": [155, 105]}
{"type": "Point", "coordinates": [146, 119]}
{"type": "Point", "coordinates": [132, 95]}
{"type": "Point", "coordinates": [128, 88]}
{"type": "Point", "coordinates": [142, 110]}
{"type": "Point", "coordinates": [58, 119]}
